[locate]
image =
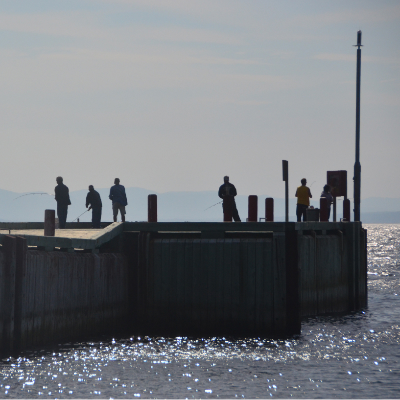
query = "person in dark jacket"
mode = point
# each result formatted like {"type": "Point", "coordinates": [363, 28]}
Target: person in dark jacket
{"type": "Point", "coordinates": [228, 188]}
{"type": "Point", "coordinates": [327, 194]}
{"type": "Point", "coordinates": [62, 197]}
{"type": "Point", "coordinates": [93, 202]}
{"type": "Point", "coordinates": [119, 200]}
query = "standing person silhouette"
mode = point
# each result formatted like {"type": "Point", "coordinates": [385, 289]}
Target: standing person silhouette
{"type": "Point", "coordinates": [303, 195]}
{"type": "Point", "coordinates": [119, 200]}
{"type": "Point", "coordinates": [228, 189]}
{"type": "Point", "coordinates": [93, 199]}
{"type": "Point", "coordinates": [327, 194]}
{"type": "Point", "coordinates": [63, 201]}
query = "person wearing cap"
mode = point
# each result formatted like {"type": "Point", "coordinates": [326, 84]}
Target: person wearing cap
{"type": "Point", "coordinates": [63, 201]}
{"type": "Point", "coordinates": [119, 200]}
{"type": "Point", "coordinates": [93, 202]}
{"type": "Point", "coordinates": [228, 189]}
{"type": "Point", "coordinates": [303, 195]}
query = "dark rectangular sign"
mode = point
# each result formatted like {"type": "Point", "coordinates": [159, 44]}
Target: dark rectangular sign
{"type": "Point", "coordinates": [337, 180]}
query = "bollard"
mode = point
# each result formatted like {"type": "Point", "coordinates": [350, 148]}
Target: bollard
{"type": "Point", "coordinates": [269, 209]}
{"type": "Point", "coordinates": [253, 208]}
{"type": "Point", "coordinates": [323, 209]}
{"type": "Point", "coordinates": [346, 210]}
{"type": "Point", "coordinates": [227, 205]}
{"type": "Point", "coordinates": [49, 222]}
{"type": "Point", "coordinates": [152, 208]}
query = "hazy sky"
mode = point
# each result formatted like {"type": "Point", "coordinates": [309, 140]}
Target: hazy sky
{"type": "Point", "coordinates": [172, 95]}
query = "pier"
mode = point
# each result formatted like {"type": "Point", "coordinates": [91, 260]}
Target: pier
{"type": "Point", "coordinates": [176, 279]}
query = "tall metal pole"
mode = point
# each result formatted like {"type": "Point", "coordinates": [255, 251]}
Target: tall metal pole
{"type": "Point", "coordinates": [357, 165]}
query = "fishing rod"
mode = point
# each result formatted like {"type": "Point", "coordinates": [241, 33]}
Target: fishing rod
{"type": "Point", "coordinates": [28, 194]}
{"type": "Point", "coordinates": [80, 215]}
{"type": "Point", "coordinates": [214, 205]}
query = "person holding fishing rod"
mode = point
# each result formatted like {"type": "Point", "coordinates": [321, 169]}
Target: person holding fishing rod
{"type": "Point", "coordinates": [119, 200]}
{"type": "Point", "coordinates": [93, 202]}
{"type": "Point", "coordinates": [303, 195]}
{"type": "Point", "coordinates": [63, 201]}
{"type": "Point", "coordinates": [228, 189]}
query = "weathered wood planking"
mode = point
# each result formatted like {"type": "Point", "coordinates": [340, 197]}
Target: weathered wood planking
{"type": "Point", "coordinates": [214, 287]}
{"type": "Point", "coordinates": [239, 283]}
{"type": "Point", "coordinates": [63, 296]}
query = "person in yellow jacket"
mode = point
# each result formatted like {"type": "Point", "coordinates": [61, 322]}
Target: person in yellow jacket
{"type": "Point", "coordinates": [303, 195]}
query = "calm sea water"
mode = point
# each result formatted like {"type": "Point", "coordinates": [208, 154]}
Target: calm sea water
{"type": "Point", "coordinates": [357, 356]}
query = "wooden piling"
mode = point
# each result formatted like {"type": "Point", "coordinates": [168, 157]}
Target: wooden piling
{"type": "Point", "coordinates": [152, 208]}
{"type": "Point", "coordinates": [323, 209]}
{"type": "Point", "coordinates": [269, 209]}
{"type": "Point", "coordinates": [253, 209]}
{"type": "Point", "coordinates": [49, 222]}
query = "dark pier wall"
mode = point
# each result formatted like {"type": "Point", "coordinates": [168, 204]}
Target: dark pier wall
{"type": "Point", "coordinates": [183, 280]}
{"type": "Point", "coordinates": [246, 283]}
{"type": "Point", "coordinates": [58, 296]}
{"type": "Point", "coordinates": [333, 271]}
{"type": "Point", "coordinates": [228, 286]}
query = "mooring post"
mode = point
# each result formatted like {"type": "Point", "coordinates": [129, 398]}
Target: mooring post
{"type": "Point", "coordinates": [323, 209]}
{"type": "Point", "coordinates": [253, 209]}
{"type": "Point", "coordinates": [227, 205]}
{"type": "Point", "coordinates": [152, 208]}
{"type": "Point", "coordinates": [49, 222]}
{"type": "Point", "coordinates": [346, 210]}
{"type": "Point", "coordinates": [269, 209]}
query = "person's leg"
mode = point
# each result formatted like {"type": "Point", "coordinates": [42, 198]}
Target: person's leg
{"type": "Point", "coordinates": [62, 215]}
{"type": "Point", "coordinates": [304, 212]}
{"type": "Point", "coordinates": [235, 213]}
{"type": "Point", "coordinates": [115, 207]}
{"type": "Point", "coordinates": [298, 212]}
{"type": "Point", "coordinates": [96, 216]}
{"type": "Point", "coordinates": [122, 208]}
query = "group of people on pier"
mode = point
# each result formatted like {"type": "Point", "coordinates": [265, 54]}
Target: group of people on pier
{"type": "Point", "coordinates": [93, 202]}
{"type": "Point", "coordinates": [303, 194]}
{"type": "Point", "coordinates": [119, 201]}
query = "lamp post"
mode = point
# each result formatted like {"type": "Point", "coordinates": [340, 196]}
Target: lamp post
{"type": "Point", "coordinates": [357, 165]}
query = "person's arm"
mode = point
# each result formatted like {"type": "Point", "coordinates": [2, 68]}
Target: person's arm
{"type": "Point", "coordinates": [87, 200]}
{"type": "Point", "coordinates": [234, 192]}
{"type": "Point", "coordinates": [111, 194]}
{"type": "Point", "coordinates": [126, 200]}
{"type": "Point", "coordinates": [220, 192]}
{"type": "Point", "coordinates": [309, 193]}
{"type": "Point", "coordinates": [69, 200]}
{"type": "Point", "coordinates": [55, 193]}
{"type": "Point", "coordinates": [296, 193]}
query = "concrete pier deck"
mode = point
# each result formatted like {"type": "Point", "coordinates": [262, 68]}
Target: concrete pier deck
{"type": "Point", "coordinates": [76, 236]}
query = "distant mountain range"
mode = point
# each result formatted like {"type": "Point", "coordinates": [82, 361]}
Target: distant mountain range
{"type": "Point", "coordinates": [174, 206]}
